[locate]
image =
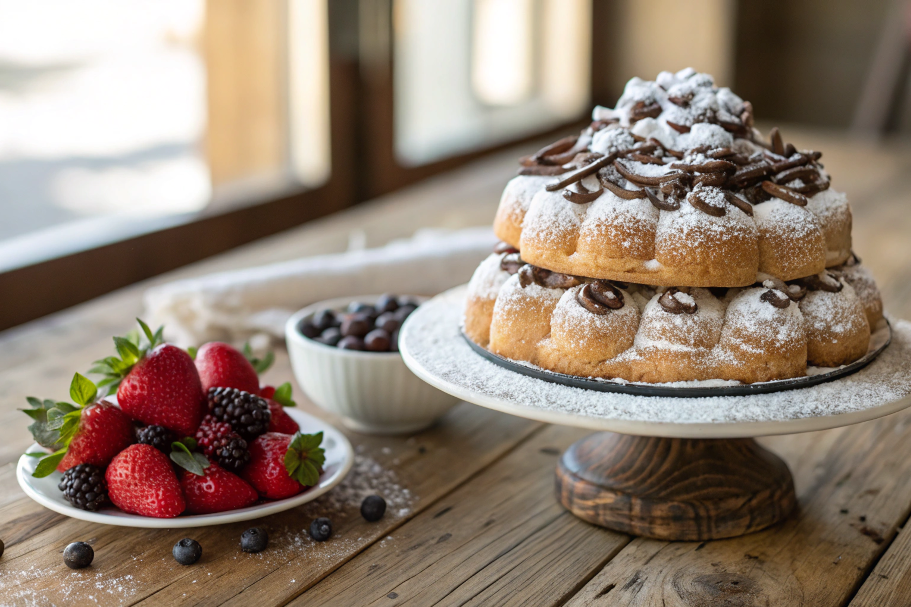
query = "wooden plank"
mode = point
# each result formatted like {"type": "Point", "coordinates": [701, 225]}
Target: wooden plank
{"type": "Point", "coordinates": [413, 472]}
{"type": "Point", "coordinates": [852, 497]}
{"type": "Point", "coordinates": [501, 539]}
{"type": "Point", "coordinates": [890, 581]}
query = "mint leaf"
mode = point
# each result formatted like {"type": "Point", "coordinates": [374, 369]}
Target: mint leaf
{"type": "Point", "coordinates": [283, 395]}
{"type": "Point", "coordinates": [82, 390]}
{"type": "Point", "coordinates": [191, 462]}
{"type": "Point", "coordinates": [46, 466]}
{"type": "Point", "coordinates": [304, 457]}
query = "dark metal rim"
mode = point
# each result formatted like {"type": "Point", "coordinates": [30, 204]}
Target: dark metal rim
{"type": "Point", "coordinates": [606, 385]}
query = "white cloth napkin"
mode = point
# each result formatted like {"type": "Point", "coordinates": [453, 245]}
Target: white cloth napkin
{"type": "Point", "coordinates": [239, 305]}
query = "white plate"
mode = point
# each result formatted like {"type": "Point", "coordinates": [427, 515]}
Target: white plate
{"type": "Point", "coordinates": [432, 346]}
{"type": "Point", "coordinates": [339, 458]}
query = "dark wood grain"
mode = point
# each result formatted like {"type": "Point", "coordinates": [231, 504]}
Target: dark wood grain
{"type": "Point", "coordinates": [674, 488]}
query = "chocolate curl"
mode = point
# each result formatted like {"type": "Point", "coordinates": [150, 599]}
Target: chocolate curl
{"type": "Point", "coordinates": [739, 202]}
{"type": "Point", "coordinates": [695, 199]}
{"type": "Point", "coordinates": [807, 174]}
{"type": "Point", "coordinates": [776, 298]}
{"type": "Point", "coordinates": [582, 173]}
{"type": "Point", "coordinates": [619, 190]}
{"type": "Point", "coordinates": [824, 281]}
{"type": "Point", "coordinates": [582, 195]}
{"type": "Point", "coordinates": [671, 304]}
{"type": "Point", "coordinates": [542, 170]}
{"type": "Point", "coordinates": [750, 172]}
{"type": "Point", "coordinates": [712, 179]}
{"type": "Point", "coordinates": [644, 110]}
{"type": "Point", "coordinates": [645, 159]}
{"type": "Point", "coordinates": [777, 143]}
{"type": "Point", "coordinates": [511, 263]}
{"type": "Point", "coordinates": [643, 180]}
{"type": "Point", "coordinates": [680, 128]}
{"type": "Point", "coordinates": [785, 193]}
{"type": "Point", "coordinates": [711, 166]}
{"type": "Point", "coordinates": [668, 204]}
{"type": "Point", "coordinates": [600, 297]}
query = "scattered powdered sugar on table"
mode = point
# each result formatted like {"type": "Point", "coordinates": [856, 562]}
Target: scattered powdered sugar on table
{"type": "Point", "coordinates": [74, 587]}
{"type": "Point", "coordinates": [434, 342]}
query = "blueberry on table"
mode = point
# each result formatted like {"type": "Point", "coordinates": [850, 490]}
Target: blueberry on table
{"type": "Point", "coordinates": [387, 303]}
{"type": "Point", "coordinates": [387, 322]}
{"type": "Point", "coordinates": [254, 540]}
{"type": "Point", "coordinates": [373, 508]}
{"type": "Point", "coordinates": [330, 336]}
{"type": "Point", "coordinates": [377, 341]}
{"type": "Point", "coordinates": [351, 343]}
{"type": "Point", "coordinates": [78, 555]}
{"type": "Point", "coordinates": [187, 551]}
{"type": "Point", "coordinates": [321, 529]}
{"type": "Point", "coordinates": [356, 325]}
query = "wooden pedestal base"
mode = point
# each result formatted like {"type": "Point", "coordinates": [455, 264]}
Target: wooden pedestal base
{"type": "Point", "coordinates": [674, 488]}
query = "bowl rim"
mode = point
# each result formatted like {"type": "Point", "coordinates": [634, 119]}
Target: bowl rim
{"type": "Point", "coordinates": [335, 303]}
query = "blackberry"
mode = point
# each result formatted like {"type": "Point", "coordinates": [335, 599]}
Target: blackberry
{"type": "Point", "coordinates": [78, 555]}
{"type": "Point", "coordinates": [218, 441]}
{"type": "Point", "coordinates": [83, 486]}
{"type": "Point", "coordinates": [247, 413]}
{"type": "Point", "coordinates": [157, 436]}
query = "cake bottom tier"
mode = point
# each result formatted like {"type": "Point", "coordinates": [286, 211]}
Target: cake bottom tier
{"type": "Point", "coordinates": [649, 334]}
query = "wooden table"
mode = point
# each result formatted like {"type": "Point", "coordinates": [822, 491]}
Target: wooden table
{"type": "Point", "coordinates": [473, 519]}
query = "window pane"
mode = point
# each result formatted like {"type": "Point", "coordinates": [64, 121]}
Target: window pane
{"type": "Point", "coordinates": [473, 73]}
{"type": "Point", "coordinates": [119, 117]}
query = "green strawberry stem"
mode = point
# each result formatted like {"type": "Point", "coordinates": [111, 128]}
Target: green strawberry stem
{"type": "Point", "coordinates": [305, 457]}
{"type": "Point", "coordinates": [56, 423]}
{"type": "Point", "coordinates": [130, 349]}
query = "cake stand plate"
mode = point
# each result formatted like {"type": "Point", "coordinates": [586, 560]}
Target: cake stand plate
{"type": "Point", "coordinates": [665, 467]}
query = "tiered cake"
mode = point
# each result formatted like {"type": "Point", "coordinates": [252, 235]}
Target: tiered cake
{"type": "Point", "coordinates": [669, 242]}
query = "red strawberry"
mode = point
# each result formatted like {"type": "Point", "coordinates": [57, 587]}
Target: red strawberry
{"type": "Point", "coordinates": [267, 391]}
{"type": "Point", "coordinates": [281, 422]}
{"type": "Point", "coordinates": [104, 431]}
{"type": "Point", "coordinates": [85, 433]}
{"type": "Point", "coordinates": [221, 366]}
{"type": "Point", "coordinates": [158, 383]}
{"type": "Point", "coordinates": [216, 490]}
{"type": "Point", "coordinates": [282, 465]}
{"type": "Point", "coordinates": [141, 481]}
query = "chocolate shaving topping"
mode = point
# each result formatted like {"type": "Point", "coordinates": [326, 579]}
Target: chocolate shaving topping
{"type": "Point", "coordinates": [529, 274]}
{"type": "Point", "coordinates": [671, 304]}
{"type": "Point", "coordinates": [542, 170]}
{"type": "Point", "coordinates": [680, 128]}
{"type": "Point", "coordinates": [504, 247]}
{"type": "Point", "coordinates": [642, 179]}
{"type": "Point", "coordinates": [795, 292]}
{"type": "Point", "coordinates": [785, 193]}
{"type": "Point", "coordinates": [695, 198]}
{"type": "Point", "coordinates": [776, 298]}
{"type": "Point", "coordinates": [668, 204]}
{"type": "Point", "coordinates": [777, 143]}
{"type": "Point", "coordinates": [644, 110]}
{"type": "Point", "coordinates": [619, 190]}
{"type": "Point", "coordinates": [739, 202]}
{"type": "Point", "coordinates": [681, 100]}
{"type": "Point", "coordinates": [645, 159]}
{"type": "Point", "coordinates": [600, 297]}
{"type": "Point", "coordinates": [806, 174]}
{"type": "Point", "coordinates": [713, 179]}
{"type": "Point", "coordinates": [711, 166]}
{"type": "Point", "coordinates": [582, 173]}
{"type": "Point", "coordinates": [824, 281]}
{"type": "Point", "coordinates": [582, 195]}
{"type": "Point", "coordinates": [511, 263]}
{"type": "Point", "coordinates": [526, 275]}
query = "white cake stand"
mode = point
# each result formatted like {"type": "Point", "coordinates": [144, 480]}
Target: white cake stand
{"type": "Point", "coordinates": [663, 467]}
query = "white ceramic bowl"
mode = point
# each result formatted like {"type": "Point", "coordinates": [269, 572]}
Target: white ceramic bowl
{"type": "Point", "coordinates": [373, 392]}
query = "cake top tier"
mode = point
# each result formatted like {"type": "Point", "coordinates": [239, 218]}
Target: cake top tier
{"type": "Point", "coordinates": [679, 138]}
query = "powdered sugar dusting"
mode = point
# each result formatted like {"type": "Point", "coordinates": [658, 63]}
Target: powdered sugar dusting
{"type": "Point", "coordinates": [435, 344]}
{"type": "Point", "coordinates": [487, 280]}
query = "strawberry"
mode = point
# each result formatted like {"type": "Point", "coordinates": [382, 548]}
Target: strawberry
{"type": "Point", "coordinates": [278, 398]}
{"type": "Point", "coordinates": [282, 465]}
{"type": "Point", "coordinates": [221, 366]}
{"type": "Point", "coordinates": [141, 481]}
{"type": "Point", "coordinates": [216, 490]}
{"type": "Point", "coordinates": [157, 383]}
{"type": "Point", "coordinates": [91, 433]}
{"type": "Point", "coordinates": [281, 422]}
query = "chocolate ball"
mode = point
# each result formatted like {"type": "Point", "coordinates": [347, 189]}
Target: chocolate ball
{"type": "Point", "coordinates": [377, 341]}
{"type": "Point", "coordinates": [394, 341]}
{"type": "Point", "coordinates": [387, 322]}
{"type": "Point", "coordinates": [387, 303]}
{"type": "Point", "coordinates": [356, 325]}
{"type": "Point", "coordinates": [404, 310]}
{"type": "Point", "coordinates": [325, 319]}
{"type": "Point", "coordinates": [351, 342]}
{"type": "Point", "coordinates": [330, 336]}
{"type": "Point", "coordinates": [308, 329]}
